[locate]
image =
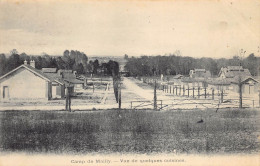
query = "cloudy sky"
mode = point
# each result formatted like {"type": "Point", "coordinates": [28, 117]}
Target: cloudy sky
{"type": "Point", "coordinates": [200, 28]}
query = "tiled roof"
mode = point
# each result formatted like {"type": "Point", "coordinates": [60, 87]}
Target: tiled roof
{"type": "Point", "coordinates": [232, 71]}
{"type": "Point", "coordinates": [219, 81]}
{"type": "Point", "coordinates": [32, 69]}
{"type": "Point", "coordinates": [201, 73]}
{"type": "Point", "coordinates": [199, 70]}
{"type": "Point", "coordinates": [64, 76]}
{"type": "Point", "coordinates": [243, 79]}
{"type": "Point", "coordinates": [234, 67]}
{"type": "Point", "coordinates": [49, 70]}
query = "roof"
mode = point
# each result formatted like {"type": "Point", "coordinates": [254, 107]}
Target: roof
{"type": "Point", "coordinates": [65, 76]}
{"type": "Point", "coordinates": [219, 81]}
{"type": "Point", "coordinates": [49, 70]}
{"type": "Point", "coordinates": [232, 71]}
{"type": "Point", "coordinates": [199, 70]}
{"type": "Point", "coordinates": [178, 76]}
{"type": "Point", "coordinates": [191, 79]}
{"type": "Point", "coordinates": [74, 81]}
{"type": "Point", "coordinates": [200, 73]}
{"type": "Point", "coordinates": [243, 80]}
{"type": "Point", "coordinates": [55, 77]}
{"type": "Point", "coordinates": [228, 81]}
{"type": "Point", "coordinates": [234, 68]}
{"type": "Point", "coordinates": [31, 69]}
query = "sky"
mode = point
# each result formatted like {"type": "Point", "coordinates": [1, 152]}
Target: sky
{"type": "Point", "coordinates": [197, 28]}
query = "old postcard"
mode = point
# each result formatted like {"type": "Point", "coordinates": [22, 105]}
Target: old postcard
{"type": "Point", "coordinates": [120, 82]}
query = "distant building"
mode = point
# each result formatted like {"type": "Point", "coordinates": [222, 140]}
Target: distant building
{"type": "Point", "coordinates": [199, 73]}
{"type": "Point", "coordinates": [68, 77]}
{"type": "Point", "coordinates": [229, 78]}
{"type": "Point", "coordinates": [232, 71]}
{"type": "Point", "coordinates": [27, 82]}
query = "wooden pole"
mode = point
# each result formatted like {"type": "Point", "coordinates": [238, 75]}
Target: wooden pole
{"type": "Point", "coordinates": [93, 87]}
{"type": "Point", "coordinates": [170, 89]}
{"type": "Point", "coordinates": [198, 92]}
{"type": "Point", "coordinates": [155, 97]}
{"type": "Point", "coordinates": [188, 91]}
{"type": "Point", "coordinates": [119, 94]}
{"type": "Point", "coordinates": [205, 92]}
{"type": "Point", "coordinates": [259, 98]}
{"type": "Point", "coordinates": [183, 93]}
{"type": "Point", "coordinates": [212, 94]}
{"type": "Point", "coordinates": [240, 94]}
{"type": "Point", "coordinates": [193, 92]}
{"type": "Point", "coordinates": [222, 95]}
{"type": "Point", "coordinates": [180, 91]}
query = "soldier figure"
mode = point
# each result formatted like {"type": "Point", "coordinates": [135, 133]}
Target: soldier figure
{"type": "Point", "coordinates": [68, 98]}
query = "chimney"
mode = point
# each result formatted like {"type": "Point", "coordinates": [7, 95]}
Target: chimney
{"type": "Point", "coordinates": [60, 73]}
{"type": "Point", "coordinates": [25, 62]}
{"type": "Point", "coordinates": [32, 63]}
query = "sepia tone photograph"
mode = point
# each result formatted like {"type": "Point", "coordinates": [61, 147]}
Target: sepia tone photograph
{"type": "Point", "coordinates": [120, 82]}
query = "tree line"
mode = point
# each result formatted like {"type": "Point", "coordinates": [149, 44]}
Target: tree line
{"type": "Point", "coordinates": [173, 64]}
{"type": "Point", "coordinates": [71, 60]}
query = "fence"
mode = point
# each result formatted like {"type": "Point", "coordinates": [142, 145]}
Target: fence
{"type": "Point", "coordinates": [146, 104]}
{"type": "Point", "coordinates": [205, 93]}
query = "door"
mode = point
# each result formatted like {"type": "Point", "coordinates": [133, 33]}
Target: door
{"type": "Point", "coordinates": [5, 92]}
{"type": "Point", "coordinates": [54, 91]}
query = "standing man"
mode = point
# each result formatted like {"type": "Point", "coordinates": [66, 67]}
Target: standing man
{"type": "Point", "coordinates": [68, 97]}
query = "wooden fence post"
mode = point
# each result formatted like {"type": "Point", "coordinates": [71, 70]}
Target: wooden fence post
{"type": "Point", "coordinates": [183, 94]}
{"type": "Point", "coordinates": [155, 97]}
{"type": "Point", "coordinates": [176, 90]}
{"type": "Point", "coordinates": [170, 89]}
{"type": "Point", "coordinates": [193, 92]}
{"type": "Point", "coordinates": [173, 89]}
{"type": "Point", "coordinates": [93, 87]}
{"type": "Point", "coordinates": [205, 92]}
{"type": "Point", "coordinates": [180, 91]}
{"type": "Point", "coordinates": [221, 95]}
{"type": "Point", "coordinates": [259, 98]}
{"type": "Point", "coordinates": [119, 95]}
{"type": "Point", "coordinates": [212, 94]}
{"type": "Point", "coordinates": [198, 92]}
{"type": "Point", "coordinates": [188, 91]}
{"type": "Point", "coordinates": [167, 88]}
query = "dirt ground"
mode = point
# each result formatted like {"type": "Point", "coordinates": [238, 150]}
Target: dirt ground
{"type": "Point", "coordinates": [133, 92]}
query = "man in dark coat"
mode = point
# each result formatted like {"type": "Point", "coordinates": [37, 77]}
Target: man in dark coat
{"type": "Point", "coordinates": [68, 97]}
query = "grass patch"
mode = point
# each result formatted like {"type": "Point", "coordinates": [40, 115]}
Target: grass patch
{"type": "Point", "coordinates": [133, 131]}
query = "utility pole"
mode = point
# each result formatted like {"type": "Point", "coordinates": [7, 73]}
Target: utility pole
{"type": "Point", "coordinates": [240, 83]}
{"type": "Point", "coordinates": [155, 97]}
{"type": "Point", "coordinates": [119, 93]}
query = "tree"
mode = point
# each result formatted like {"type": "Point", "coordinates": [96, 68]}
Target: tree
{"type": "Point", "coordinates": [95, 66]}
{"type": "Point", "coordinates": [13, 51]}
{"type": "Point", "coordinates": [79, 68]}
{"type": "Point", "coordinates": [13, 62]}
{"type": "Point", "coordinates": [3, 64]}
